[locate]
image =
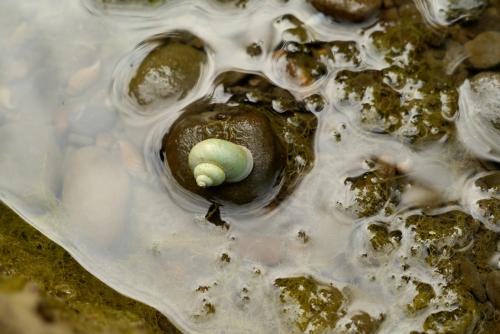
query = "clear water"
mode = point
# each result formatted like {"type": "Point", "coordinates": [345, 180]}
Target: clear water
{"type": "Point", "coordinates": [79, 161]}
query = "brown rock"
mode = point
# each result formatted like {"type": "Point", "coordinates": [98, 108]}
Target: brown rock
{"type": "Point", "coordinates": [171, 69]}
{"type": "Point", "coordinates": [350, 10]}
{"type": "Point", "coordinates": [244, 125]}
{"type": "Point", "coordinates": [472, 280]}
{"type": "Point", "coordinates": [493, 288]}
{"type": "Point", "coordinates": [484, 50]}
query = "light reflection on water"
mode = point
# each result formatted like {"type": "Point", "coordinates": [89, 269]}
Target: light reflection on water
{"type": "Point", "coordinates": [79, 161]}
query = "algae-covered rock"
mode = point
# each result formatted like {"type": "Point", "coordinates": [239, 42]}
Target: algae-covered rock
{"type": "Point", "coordinates": [382, 239]}
{"type": "Point", "coordinates": [440, 233]}
{"type": "Point", "coordinates": [67, 297]}
{"type": "Point", "coordinates": [303, 60]}
{"type": "Point", "coordinates": [392, 102]}
{"type": "Point", "coordinates": [267, 120]}
{"type": "Point", "coordinates": [363, 323]}
{"type": "Point", "coordinates": [311, 306]}
{"type": "Point", "coordinates": [170, 70]}
{"type": "Point", "coordinates": [375, 191]}
{"type": "Point", "coordinates": [425, 293]}
{"type": "Point", "coordinates": [304, 63]}
{"type": "Point", "coordinates": [460, 249]}
{"type": "Point", "coordinates": [458, 321]}
{"type": "Point", "coordinates": [350, 10]}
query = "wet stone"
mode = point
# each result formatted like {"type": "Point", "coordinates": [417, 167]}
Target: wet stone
{"type": "Point", "coordinates": [350, 10]}
{"type": "Point", "coordinates": [493, 288]}
{"type": "Point", "coordinates": [439, 231]}
{"type": "Point", "coordinates": [387, 104]}
{"type": "Point", "coordinates": [383, 239]}
{"type": "Point", "coordinates": [458, 321]}
{"type": "Point", "coordinates": [363, 323]}
{"type": "Point", "coordinates": [319, 306]}
{"type": "Point", "coordinates": [374, 191]}
{"type": "Point", "coordinates": [472, 280]}
{"type": "Point", "coordinates": [170, 70]}
{"type": "Point", "coordinates": [425, 293]}
{"type": "Point", "coordinates": [280, 142]}
{"type": "Point", "coordinates": [304, 63]}
{"type": "Point", "coordinates": [254, 50]}
{"type": "Point", "coordinates": [484, 51]}
{"type": "Point", "coordinates": [242, 125]}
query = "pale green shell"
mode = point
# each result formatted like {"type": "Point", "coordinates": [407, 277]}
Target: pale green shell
{"type": "Point", "coordinates": [214, 161]}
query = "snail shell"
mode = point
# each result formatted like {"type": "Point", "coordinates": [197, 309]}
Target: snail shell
{"type": "Point", "coordinates": [214, 161]}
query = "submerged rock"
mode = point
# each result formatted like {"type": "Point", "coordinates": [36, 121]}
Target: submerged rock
{"type": "Point", "coordinates": [280, 142]}
{"type": "Point", "coordinates": [471, 279]}
{"type": "Point", "coordinates": [493, 288]}
{"type": "Point", "coordinates": [243, 125]}
{"type": "Point", "coordinates": [391, 101]}
{"type": "Point", "coordinates": [309, 305]}
{"type": "Point", "coordinates": [484, 51]}
{"type": "Point", "coordinates": [350, 10]}
{"type": "Point", "coordinates": [170, 70]}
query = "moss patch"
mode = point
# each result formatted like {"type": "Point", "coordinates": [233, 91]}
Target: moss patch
{"type": "Point", "coordinates": [69, 294]}
{"type": "Point", "coordinates": [315, 307]}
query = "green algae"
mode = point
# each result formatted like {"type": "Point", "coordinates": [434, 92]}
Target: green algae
{"type": "Point", "coordinates": [307, 62]}
{"type": "Point", "coordinates": [320, 306]}
{"type": "Point", "coordinates": [254, 50]}
{"type": "Point", "coordinates": [363, 323]}
{"type": "Point", "coordinates": [459, 248]}
{"type": "Point", "coordinates": [414, 98]}
{"type": "Point", "coordinates": [68, 293]}
{"type": "Point", "coordinates": [375, 191]}
{"type": "Point", "coordinates": [411, 109]}
{"type": "Point", "coordinates": [425, 293]}
{"type": "Point", "coordinates": [383, 239]}
{"type": "Point", "coordinates": [490, 208]}
{"type": "Point", "coordinates": [454, 229]}
{"type": "Point", "coordinates": [345, 52]}
{"type": "Point", "coordinates": [437, 234]}
{"type": "Point", "coordinates": [304, 62]}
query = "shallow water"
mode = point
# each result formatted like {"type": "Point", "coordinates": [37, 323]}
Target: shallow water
{"type": "Point", "coordinates": [79, 161]}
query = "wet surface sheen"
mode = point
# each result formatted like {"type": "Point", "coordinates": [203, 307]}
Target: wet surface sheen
{"type": "Point", "coordinates": [79, 160]}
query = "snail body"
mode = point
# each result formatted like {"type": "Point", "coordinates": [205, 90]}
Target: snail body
{"type": "Point", "coordinates": [214, 161]}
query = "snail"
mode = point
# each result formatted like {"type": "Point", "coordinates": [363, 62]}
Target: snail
{"type": "Point", "coordinates": [214, 161]}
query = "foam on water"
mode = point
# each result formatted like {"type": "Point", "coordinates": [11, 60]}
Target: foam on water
{"type": "Point", "coordinates": [79, 161]}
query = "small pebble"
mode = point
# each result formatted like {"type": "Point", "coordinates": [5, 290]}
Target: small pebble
{"type": "Point", "coordinates": [82, 79]}
{"type": "Point", "coordinates": [484, 51]}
